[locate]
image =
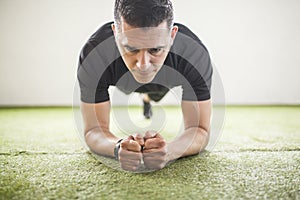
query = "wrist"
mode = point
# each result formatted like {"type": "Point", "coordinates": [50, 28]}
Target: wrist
{"type": "Point", "coordinates": [116, 149]}
{"type": "Point", "coordinates": [172, 153]}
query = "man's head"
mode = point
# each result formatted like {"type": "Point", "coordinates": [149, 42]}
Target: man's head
{"type": "Point", "coordinates": [144, 13]}
{"type": "Point", "coordinates": [144, 33]}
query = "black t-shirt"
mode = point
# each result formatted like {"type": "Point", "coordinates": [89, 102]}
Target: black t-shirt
{"type": "Point", "coordinates": [100, 65]}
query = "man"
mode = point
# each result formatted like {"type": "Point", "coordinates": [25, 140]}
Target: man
{"type": "Point", "coordinates": [144, 51]}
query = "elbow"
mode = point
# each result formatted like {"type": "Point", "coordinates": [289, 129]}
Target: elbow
{"type": "Point", "coordinates": [201, 141]}
{"type": "Point", "coordinates": [88, 133]}
{"type": "Point", "coordinates": [91, 138]}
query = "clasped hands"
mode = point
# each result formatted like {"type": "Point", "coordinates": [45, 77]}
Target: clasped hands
{"type": "Point", "coordinates": [151, 149]}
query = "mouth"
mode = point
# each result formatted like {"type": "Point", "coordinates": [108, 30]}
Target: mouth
{"type": "Point", "coordinates": [147, 73]}
{"type": "Point", "coordinates": [144, 77]}
{"type": "Point", "coordinates": [144, 73]}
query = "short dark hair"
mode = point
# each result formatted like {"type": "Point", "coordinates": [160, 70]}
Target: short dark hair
{"type": "Point", "coordinates": [144, 13]}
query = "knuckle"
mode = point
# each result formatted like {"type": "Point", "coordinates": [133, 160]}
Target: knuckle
{"type": "Point", "coordinates": [122, 152]}
{"type": "Point", "coordinates": [123, 166]}
{"type": "Point", "coordinates": [140, 156]}
{"type": "Point", "coordinates": [138, 135]}
{"type": "Point", "coordinates": [163, 142]}
{"type": "Point", "coordinates": [121, 159]}
{"type": "Point", "coordinates": [161, 165]}
{"type": "Point", "coordinates": [133, 168]}
{"type": "Point", "coordinates": [163, 152]}
{"type": "Point", "coordinates": [136, 163]}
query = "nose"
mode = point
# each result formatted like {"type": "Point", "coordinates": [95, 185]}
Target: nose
{"type": "Point", "coordinates": [143, 60]}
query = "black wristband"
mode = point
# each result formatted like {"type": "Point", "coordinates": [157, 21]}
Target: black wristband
{"type": "Point", "coordinates": [116, 149]}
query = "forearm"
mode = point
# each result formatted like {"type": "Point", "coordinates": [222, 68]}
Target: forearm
{"type": "Point", "coordinates": [101, 142]}
{"type": "Point", "coordinates": [191, 142]}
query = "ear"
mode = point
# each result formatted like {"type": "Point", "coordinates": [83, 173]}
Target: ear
{"type": "Point", "coordinates": [174, 32]}
{"type": "Point", "coordinates": [113, 27]}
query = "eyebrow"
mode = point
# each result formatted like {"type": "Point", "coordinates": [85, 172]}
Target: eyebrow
{"type": "Point", "coordinates": [131, 47]}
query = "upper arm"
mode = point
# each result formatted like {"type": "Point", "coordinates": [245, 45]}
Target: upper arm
{"type": "Point", "coordinates": [196, 114]}
{"type": "Point", "coordinates": [95, 115]}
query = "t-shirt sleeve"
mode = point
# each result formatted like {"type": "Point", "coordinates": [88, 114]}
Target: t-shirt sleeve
{"type": "Point", "coordinates": [194, 64]}
{"type": "Point", "coordinates": [96, 57]}
{"type": "Point", "coordinates": [199, 75]}
{"type": "Point", "coordinates": [93, 88]}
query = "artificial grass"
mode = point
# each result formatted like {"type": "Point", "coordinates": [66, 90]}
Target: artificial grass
{"type": "Point", "coordinates": [257, 157]}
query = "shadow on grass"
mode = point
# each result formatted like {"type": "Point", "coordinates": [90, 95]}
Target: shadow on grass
{"type": "Point", "coordinates": [186, 177]}
{"type": "Point", "coordinates": [224, 175]}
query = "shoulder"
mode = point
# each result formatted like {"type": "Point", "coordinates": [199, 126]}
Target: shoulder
{"type": "Point", "coordinates": [186, 35]}
{"type": "Point", "coordinates": [185, 30]}
{"type": "Point", "coordinates": [103, 33]}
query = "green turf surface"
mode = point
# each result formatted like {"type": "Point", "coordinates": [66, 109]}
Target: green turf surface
{"type": "Point", "coordinates": [257, 157]}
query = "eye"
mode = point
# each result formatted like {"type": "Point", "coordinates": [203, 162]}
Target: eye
{"type": "Point", "coordinates": [131, 49]}
{"type": "Point", "coordinates": [155, 51]}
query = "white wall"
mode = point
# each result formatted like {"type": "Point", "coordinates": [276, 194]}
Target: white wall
{"type": "Point", "coordinates": [254, 44]}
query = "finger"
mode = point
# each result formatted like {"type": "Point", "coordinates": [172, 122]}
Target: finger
{"type": "Point", "coordinates": [126, 154]}
{"type": "Point", "coordinates": [154, 164]}
{"type": "Point", "coordinates": [153, 161]}
{"type": "Point", "coordinates": [158, 136]}
{"type": "Point", "coordinates": [150, 152]}
{"type": "Point", "coordinates": [155, 156]}
{"type": "Point", "coordinates": [138, 137]}
{"type": "Point", "coordinates": [129, 167]}
{"type": "Point", "coordinates": [154, 143]}
{"type": "Point", "coordinates": [150, 134]}
{"type": "Point", "coordinates": [130, 137]}
{"type": "Point", "coordinates": [131, 162]}
{"type": "Point", "coordinates": [130, 145]}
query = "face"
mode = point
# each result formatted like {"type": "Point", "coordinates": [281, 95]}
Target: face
{"type": "Point", "coordinates": [144, 50]}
